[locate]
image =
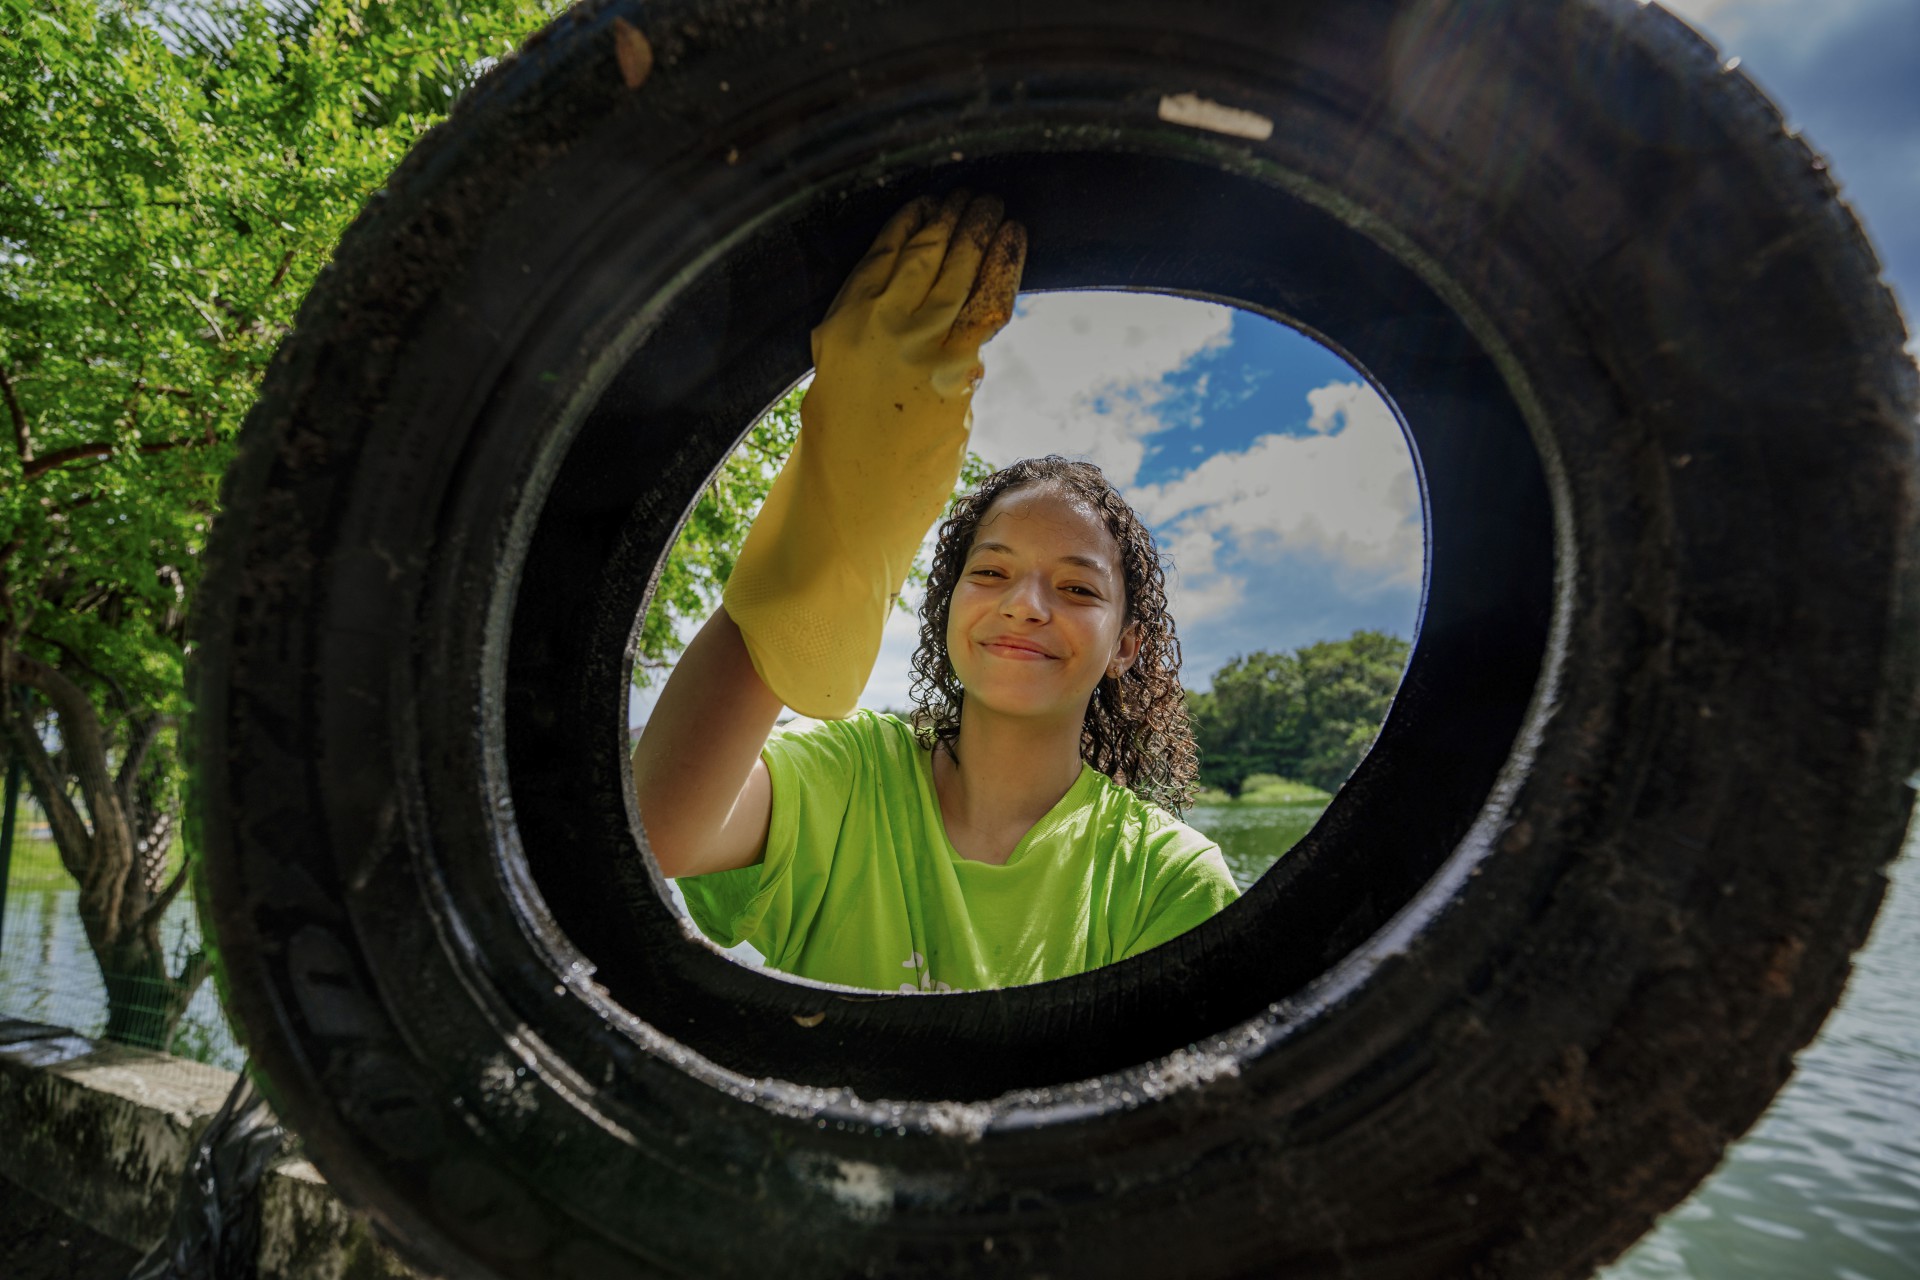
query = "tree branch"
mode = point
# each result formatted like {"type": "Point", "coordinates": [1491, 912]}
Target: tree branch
{"type": "Point", "coordinates": [70, 834]}
{"type": "Point", "coordinates": [80, 725]}
{"type": "Point", "coordinates": [119, 691]}
{"type": "Point", "coordinates": [101, 449]}
{"type": "Point", "coordinates": [279, 274]}
{"type": "Point", "coordinates": [22, 437]}
{"type": "Point", "coordinates": [146, 731]}
{"type": "Point", "coordinates": [192, 974]}
{"type": "Point", "coordinates": [219, 334]}
{"type": "Point", "coordinates": [118, 208]}
{"type": "Point", "coordinates": [163, 899]}
{"type": "Point", "coordinates": [85, 744]}
{"type": "Point", "coordinates": [153, 847]}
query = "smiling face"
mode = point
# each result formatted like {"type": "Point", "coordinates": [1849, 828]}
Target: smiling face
{"type": "Point", "coordinates": [1039, 611]}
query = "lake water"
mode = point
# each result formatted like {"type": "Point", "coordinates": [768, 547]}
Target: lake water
{"type": "Point", "coordinates": [48, 975]}
{"type": "Point", "coordinates": [1827, 1185]}
{"type": "Point", "coordinates": [1252, 837]}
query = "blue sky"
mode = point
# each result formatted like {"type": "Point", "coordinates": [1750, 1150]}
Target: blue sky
{"type": "Point", "coordinates": [1276, 481]}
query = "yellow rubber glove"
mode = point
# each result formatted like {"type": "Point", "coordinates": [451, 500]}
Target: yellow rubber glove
{"type": "Point", "coordinates": [883, 431]}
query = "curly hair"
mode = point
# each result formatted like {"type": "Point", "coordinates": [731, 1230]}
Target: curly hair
{"type": "Point", "coordinates": [1136, 730]}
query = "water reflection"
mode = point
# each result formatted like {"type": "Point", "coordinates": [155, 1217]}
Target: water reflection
{"type": "Point", "coordinates": [47, 973]}
{"type": "Point", "coordinates": [1251, 836]}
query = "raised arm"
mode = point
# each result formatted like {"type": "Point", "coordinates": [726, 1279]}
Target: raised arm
{"type": "Point", "coordinates": [703, 791]}
{"type": "Point", "coordinates": [883, 431]}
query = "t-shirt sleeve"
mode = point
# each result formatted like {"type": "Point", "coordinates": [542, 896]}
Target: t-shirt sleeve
{"type": "Point", "coordinates": [1194, 886]}
{"type": "Point", "coordinates": [812, 765]}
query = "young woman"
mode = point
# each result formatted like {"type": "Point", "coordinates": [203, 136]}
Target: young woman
{"type": "Point", "coordinates": [1013, 832]}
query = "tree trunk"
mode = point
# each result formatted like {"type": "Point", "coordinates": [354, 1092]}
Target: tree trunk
{"type": "Point", "coordinates": [144, 1002]}
{"type": "Point", "coordinates": [116, 851]}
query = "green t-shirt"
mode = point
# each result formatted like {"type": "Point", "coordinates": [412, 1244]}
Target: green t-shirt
{"type": "Point", "coordinates": [860, 885]}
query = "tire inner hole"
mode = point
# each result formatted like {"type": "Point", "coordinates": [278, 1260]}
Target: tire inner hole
{"type": "Point", "coordinates": [1284, 500]}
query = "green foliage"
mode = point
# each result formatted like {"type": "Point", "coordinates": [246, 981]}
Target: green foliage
{"type": "Point", "coordinates": [1267, 788]}
{"type": "Point", "coordinates": [1258, 789]}
{"type": "Point", "coordinates": [1348, 686]}
{"type": "Point", "coordinates": [198, 1041]}
{"type": "Point", "coordinates": [1310, 714]}
{"type": "Point", "coordinates": [702, 558]}
{"type": "Point", "coordinates": [1249, 722]}
{"type": "Point", "coordinates": [173, 175]}
{"type": "Point", "coordinates": [164, 211]}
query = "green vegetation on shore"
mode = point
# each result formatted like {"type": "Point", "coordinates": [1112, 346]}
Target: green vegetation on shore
{"type": "Point", "coordinates": [1310, 714]}
{"type": "Point", "coordinates": [1265, 789]}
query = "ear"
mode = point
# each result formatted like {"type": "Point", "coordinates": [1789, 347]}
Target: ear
{"type": "Point", "coordinates": [1125, 651]}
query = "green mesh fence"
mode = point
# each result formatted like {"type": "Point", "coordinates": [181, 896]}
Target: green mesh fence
{"type": "Point", "coordinates": [48, 972]}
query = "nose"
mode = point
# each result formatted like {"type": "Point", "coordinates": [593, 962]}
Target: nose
{"type": "Point", "coordinates": [1024, 600]}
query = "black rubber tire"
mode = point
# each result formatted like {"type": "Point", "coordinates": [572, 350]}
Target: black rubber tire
{"type": "Point", "coordinates": [1547, 953]}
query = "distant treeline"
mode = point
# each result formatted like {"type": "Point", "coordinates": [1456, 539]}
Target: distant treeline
{"type": "Point", "coordinates": [1308, 715]}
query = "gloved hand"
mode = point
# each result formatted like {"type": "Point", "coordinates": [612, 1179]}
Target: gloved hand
{"type": "Point", "coordinates": [883, 431]}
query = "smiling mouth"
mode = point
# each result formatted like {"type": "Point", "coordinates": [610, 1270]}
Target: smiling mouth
{"type": "Point", "coordinates": [1006, 650]}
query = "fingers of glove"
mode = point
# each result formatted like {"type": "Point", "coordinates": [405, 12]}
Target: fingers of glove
{"type": "Point", "coordinates": [920, 260]}
{"type": "Point", "coordinates": [971, 237]}
{"type": "Point", "coordinates": [869, 279]}
{"type": "Point", "coordinates": [957, 378]}
{"type": "Point", "coordinates": [990, 305]}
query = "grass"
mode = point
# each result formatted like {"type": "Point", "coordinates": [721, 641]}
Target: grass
{"type": "Point", "coordinates": [1266, 789]}
{"type": "Point", "coordinates": [36, 859]}
{"type": "Point", "coordinates": [36, 863]}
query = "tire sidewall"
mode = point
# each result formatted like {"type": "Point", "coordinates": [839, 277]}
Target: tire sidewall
{"type": "Point", "coordinates": [1540, 1001]}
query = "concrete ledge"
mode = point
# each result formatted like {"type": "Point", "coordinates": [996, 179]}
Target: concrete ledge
{"type": "Point", "coordinates": [104, 1131]}
{"type": "Point", "coordinates": [306, 1233]}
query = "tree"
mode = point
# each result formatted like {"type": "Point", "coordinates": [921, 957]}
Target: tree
{"type": "Point", "coordinates": [172, 177]}
{"type": "Point", "coordinates": [1250, 721]}
{"type": "Point", "coordinates": [1309, 715]}
{"type": "Point", "coordinates": [1347, 686]}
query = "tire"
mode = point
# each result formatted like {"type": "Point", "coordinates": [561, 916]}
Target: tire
{"type": "Point", "coordinates": [1552, 947]}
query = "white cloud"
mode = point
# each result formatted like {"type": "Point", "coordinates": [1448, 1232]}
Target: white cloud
{"type": "Point", "coordinates": [1345, 494]}
{"type": "Point", "coordinates": [1197, 588]}
{"type": "Point", "coordinates": [1330, 407]}
{"type": "Point", "coordinates": [1805, 21]}
{"type": "Point", "coordinates": [1701, 13]}
{"type": "Point", "coordinates": [1084, 374]}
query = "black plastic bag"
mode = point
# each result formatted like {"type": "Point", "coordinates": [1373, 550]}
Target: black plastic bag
{"type": "Point", "coordinates": [215, 1232]}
